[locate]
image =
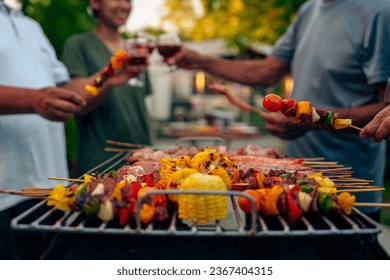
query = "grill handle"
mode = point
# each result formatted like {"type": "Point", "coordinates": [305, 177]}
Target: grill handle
{"type": "Point", "coordinates": [197, 192]}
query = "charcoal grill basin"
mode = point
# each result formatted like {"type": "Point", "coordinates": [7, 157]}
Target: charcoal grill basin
{"type": "Point", "coordinates": [105, 241]}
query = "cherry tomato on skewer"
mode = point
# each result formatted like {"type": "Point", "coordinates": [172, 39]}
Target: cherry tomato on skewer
{"type": "Point", "coordinates": [272, 102]}
{"type": "Point", "coordinates": [288, 105]}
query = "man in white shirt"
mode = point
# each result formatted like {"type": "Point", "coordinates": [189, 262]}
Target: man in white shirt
{"type": "Point", "coordinates": [32, 108]}
{"type": "Point", "coordinates": [36, 96]}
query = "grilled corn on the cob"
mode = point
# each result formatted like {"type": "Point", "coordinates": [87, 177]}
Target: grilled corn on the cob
{"type": "Point", "coordinates": [200, 208]}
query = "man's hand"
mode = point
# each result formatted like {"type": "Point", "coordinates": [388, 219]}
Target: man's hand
{"type": "Point", "coordinates": [379, 127]}
{"type": "Point", "coordinates": [56, 104]}
{"type": "Point", "coordinates": [187, 59]}
{"type": "Point", "coordinates": [282, 127]}
{"type": "Point", "coordinates": [127, 71]}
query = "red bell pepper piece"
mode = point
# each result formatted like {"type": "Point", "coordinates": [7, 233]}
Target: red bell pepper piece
{"type": "Point", "coordinates": [130, 196]}
{"type": "Point", "coordinates": [133, 193]}
{"type": "Point", "coordinates": [293, 210]}
{"type": "Point", "coordinates": [124, 215]}
{"type": "Point", "coordinates": [148, 179]}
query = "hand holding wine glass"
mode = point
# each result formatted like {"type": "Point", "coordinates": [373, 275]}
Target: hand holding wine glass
{"type": "Point", "coordinates": [145, 39]}
{"type": "Point", "coordinates": [140, 47]}
{"type": "Point", "coordinates": [168, 44]}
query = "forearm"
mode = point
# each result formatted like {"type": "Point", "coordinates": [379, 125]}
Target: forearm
{"type": "Point", "coordinates": [15, 100]}
{"type": "Point", "coordinates": [262, 73]}
{"type": "Point", "coordinates": [78, 84]}
{"type": "Point", "coordinates": [361, 115]}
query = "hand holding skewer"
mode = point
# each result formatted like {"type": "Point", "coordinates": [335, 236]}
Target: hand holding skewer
{"type": "Point", "coordinates": [379, 127]}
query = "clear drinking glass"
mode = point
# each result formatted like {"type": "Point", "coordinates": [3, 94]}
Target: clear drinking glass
{"type": "Point", "coordinates": [141, 45]}
{"type": "Point", "coordinates": [169, 44]}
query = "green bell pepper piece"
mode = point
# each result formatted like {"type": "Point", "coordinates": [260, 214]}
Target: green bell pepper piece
{"type": "Point", "coordinates": [325, 203]}
{"type": "Point", "coordinates": [328, 120]}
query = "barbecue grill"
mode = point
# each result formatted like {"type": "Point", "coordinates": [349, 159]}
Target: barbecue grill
{"type": "Point", "coordinates": [77, 236]}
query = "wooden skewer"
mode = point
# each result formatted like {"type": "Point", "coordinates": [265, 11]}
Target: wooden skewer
{"type": "Point", "coordinates": [66, 179]}
{"type": "Point", "coordinates": [355, 127]}
{"type": "Point", "coordinates": [345, 186]}
{"type": "Point", "coordinates": [320, 162]}
{"type": "Point", "coordinates": [317, 166]}
{"type": "Point", "coordinates": [338, 171]}
{"type": "Point", "coordinates": [124, 144]}
{"type": "Point", "coordinates": [341, 173]}
{"type": "Point", "coordinates": [118, 150]}
{"type": "Point", "coordinates": [37, 189]}
{"type": "Point", "coordinates": [334, 177]}
{"type": "Point", "coordinates": [27, 194]}
{"type": "Point", "coordinates": [356, 186]}
{"type": "Point", "coordinates": [371, 204]}
{"type": "Point", "coordinates": [313, 159]}
{"type": "Point", "coordinates": [353, 180]}
{"type": "Point", "coordinates": [41, 191]}
{"type": "Point", "coordinates": [332, 170]}
{"type": "Point", "coordinates": [364, 190]}
{"type": "Point", "coordinates": [353, 184]}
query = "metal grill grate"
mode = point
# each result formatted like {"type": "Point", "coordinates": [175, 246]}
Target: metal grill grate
{"type": "Point", "coordinates": [44, 218]}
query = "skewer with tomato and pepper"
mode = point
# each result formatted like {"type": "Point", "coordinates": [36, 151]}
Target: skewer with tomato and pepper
{"type": "Point", "coordinates": [290, 197]}
{"type": "Point", "coordinates": [109, 71]}
{"type": "Point", "coordinates": [303, 111]}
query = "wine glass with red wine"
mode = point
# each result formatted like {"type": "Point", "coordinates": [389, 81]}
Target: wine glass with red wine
{"type": "Point", "coordinates": [146, 39]}
{"type": "Point", "coordinates": [141, 46]}
{"type": "Point", "coordinates": [169, 44]}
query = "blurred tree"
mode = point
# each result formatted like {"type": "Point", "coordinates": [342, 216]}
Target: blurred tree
{"type": "Point", "coordinates": [239, 22]}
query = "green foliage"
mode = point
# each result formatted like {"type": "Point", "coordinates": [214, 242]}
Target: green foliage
{"type": "Point", "coordinates": [239, 22]}
{"type": "Point", "coordinates": [59, 19]}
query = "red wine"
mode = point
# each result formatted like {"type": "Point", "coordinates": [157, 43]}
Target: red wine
{"type": "Point", "coordinates": [137, 60]}
{"type": "Point", "coordinates": [150, 48]}
{"type": "Point", "coordinates": [168, 50]}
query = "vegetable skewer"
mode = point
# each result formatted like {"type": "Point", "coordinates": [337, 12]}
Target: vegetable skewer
{"type": "Point", "coordinates": [302, 111]}
{"type": "Point", "coordinates": [115, 63]}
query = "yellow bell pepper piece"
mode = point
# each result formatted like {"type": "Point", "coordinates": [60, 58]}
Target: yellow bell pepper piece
{"type": "Point", "coordinates": [147, 213]}
{"type": "Point", "coordinates": [117, 192]}
{"type": "Point", "coordinates": [327, 190]}
{"type": "Point", "coordinates": [87, 178]}
{"type": "Point", "coordinates": [342, 123]}
{"type": "Point", "coordinates": [303, 108]}
{"type": "Point", "coordinates": [92, 90]}
{"type": "Point", "coordinates": [58, 198]}
{"type": "Point", "coordinates": [346, 202]}
{"type": "Point", "coordinates": [324, 182]}
{"type": "Point", "coordinates": [317, 174]}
